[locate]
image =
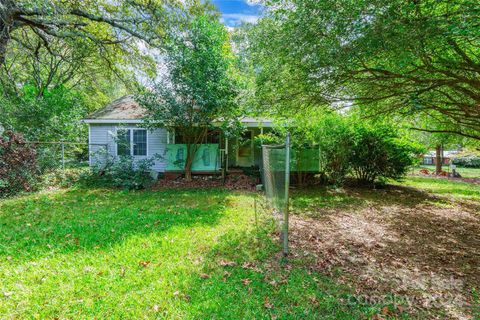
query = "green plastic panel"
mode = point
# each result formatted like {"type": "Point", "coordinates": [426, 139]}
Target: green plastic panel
{"type": "Point", "coordinates": [207, 158]}
{"type": "Point", "coordinates": [306, 160]}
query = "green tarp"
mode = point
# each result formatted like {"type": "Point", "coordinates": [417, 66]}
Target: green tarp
{"type": "Point", "coordinates": [207, 158]}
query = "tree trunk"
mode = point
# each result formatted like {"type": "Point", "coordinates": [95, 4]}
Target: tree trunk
{"type": "Point", "coordinates": [438, 159]}
{"type": "Point", "coordinates": [188, 163]}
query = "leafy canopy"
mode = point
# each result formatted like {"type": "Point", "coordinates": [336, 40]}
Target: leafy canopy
{"type": "Point", "coordinates": [413, 58]}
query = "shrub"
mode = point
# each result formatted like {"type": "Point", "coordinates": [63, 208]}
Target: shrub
{"type": "Point", "coordinates": [332, 135]}
{"type": "Point", "coordinates": [18, 165]}
{"type": "Point", "coordinates": [378, 154]}
{"type": "Point", "coordinates": [470, 161]}
{"type": "Point", "coordinates": [60, 178]}
{"type": "Point", "coordinates": [123, 172]}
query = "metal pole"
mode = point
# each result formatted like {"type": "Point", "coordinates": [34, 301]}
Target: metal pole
{"type": "Point", "coordinates": [287, 186]}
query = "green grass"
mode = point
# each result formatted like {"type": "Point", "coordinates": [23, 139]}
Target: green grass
{"type": "Point", "coordinates": [125, 255]}
{"type": "Point", "coordinates": [444, 187]}
{"type": "Point", "coordinates": [464, 172]}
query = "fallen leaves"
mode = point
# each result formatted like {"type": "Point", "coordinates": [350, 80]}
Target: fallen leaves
{"type": "Point", "coordinates": [246, 281]}
{"type": "Point", "coordinates": [144, 264]}
{"type": "Point", "coordinates": [225, 263]}
{"type": "Point", "coordinates": [267, 304]}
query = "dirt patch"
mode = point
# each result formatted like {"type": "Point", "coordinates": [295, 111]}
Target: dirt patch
{"type": "Point", "coordinates": [232, 182]}
{"type": "Point", "coordinates": [420, 251]}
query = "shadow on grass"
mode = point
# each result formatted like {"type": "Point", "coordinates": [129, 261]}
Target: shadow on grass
{"type": "Point", "coordinates": [73, 220]}
{"type": "Point", "coordinates": [312, 202]}
{"type": "Point", "coordinates": [247, 279]}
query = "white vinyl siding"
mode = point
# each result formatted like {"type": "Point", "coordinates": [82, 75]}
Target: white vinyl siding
{"type": "Point", "coordinates": [101, 135]}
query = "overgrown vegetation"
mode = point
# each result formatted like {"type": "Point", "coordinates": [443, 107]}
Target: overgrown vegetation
{"type": "Point", "coordinates": [370, 152]}
{"type": "Point", "coordinates": [121, 172]}
{"type": "Point", "coordinates": [18, 164]}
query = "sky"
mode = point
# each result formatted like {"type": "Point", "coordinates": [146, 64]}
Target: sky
{"type": "Point", "coordinates": [234, 12]}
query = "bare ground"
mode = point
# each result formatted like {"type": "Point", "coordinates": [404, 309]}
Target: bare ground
{"type": "Point", "coordinates": [398, 245]}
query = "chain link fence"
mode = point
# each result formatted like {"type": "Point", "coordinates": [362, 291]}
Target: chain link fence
{"type": "Point", "coordinates": [276, 180]}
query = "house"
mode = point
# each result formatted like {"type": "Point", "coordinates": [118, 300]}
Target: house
{"type": "Point", "coordinates": [431, 157]}
{"type": "Point", "coordinates": [117, 129]}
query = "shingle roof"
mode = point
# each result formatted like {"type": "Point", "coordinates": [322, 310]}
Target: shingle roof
{"type": "Point", "coordinates": [125, 108]}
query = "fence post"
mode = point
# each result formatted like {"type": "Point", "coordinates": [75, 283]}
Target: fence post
{"type": "Point", "coordinates": [287, 185]}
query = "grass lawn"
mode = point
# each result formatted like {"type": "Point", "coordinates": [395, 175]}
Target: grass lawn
{"type": "Point", "coordinates": [198, 254]}
{"type": "Point", "coordinates": [174, 254]}
{"type": "Point", "coordinates": [464, 172]}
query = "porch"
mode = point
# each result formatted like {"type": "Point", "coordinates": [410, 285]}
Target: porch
{"type": "Point", "coordinates": [217, 154]}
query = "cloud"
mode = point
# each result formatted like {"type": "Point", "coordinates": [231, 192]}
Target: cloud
{"type": "Point", "coordinates": [253, 2]}
{"type": "Point", "coordinates": [235, 19]}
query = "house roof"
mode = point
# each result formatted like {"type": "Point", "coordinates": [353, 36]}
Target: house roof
{"type": "Point", "coordinates": [124, 108]}
{"type": "Point", "coordinates": [127, 110]}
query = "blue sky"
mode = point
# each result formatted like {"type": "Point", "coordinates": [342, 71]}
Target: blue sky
{"type": "Point", "coordinates": [234, 12]}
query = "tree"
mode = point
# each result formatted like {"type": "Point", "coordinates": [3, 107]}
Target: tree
{"type": "Point", "coordinates": [102, 22]}
{"type": "Point", "coordinates": [405, 57]}
{"type": "Point", "coordinates": [199, 87]}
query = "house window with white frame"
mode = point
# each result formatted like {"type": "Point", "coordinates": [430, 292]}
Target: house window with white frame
{"type": "Point", "coordinates": [131, 142]}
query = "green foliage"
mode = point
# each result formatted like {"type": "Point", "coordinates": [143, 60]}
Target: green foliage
{"type": "Point", "coordinates": [52, 116]}
{"type": "Point", "coordinates": [371, 152]}
{"type": "Point", "coordinates": [123, 172]}
{"type": "Point", "coordinates": [200, 86]}
{"type": "Point", "coordinates": [467, 161]}
{"type": "Point", "coordinates": [377, 154]}
{"type": "Point", "coordinates": [333, 136]}
{"type": "Point", "coordinates": [18, 166]}
{"type": "Point", "coordinates": [407, 58]}
{"type": "Point", "coordinates": [60, 178]}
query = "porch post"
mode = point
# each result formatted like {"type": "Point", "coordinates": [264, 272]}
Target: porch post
{"type": "Point", "coordinates": [226, 154]}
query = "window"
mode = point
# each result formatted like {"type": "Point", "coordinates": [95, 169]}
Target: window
{"type": "Point", "coordinates": [131, 142]}
{"type": "Point", "coordinates": [123, 142]}
{"type": "Point", "coordinates": [139, 142]}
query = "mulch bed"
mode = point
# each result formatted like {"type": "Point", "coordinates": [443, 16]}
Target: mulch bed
{"type": "Point", "coordinates": [232, 182]}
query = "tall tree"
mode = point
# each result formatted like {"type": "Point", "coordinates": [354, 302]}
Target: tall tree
{"type": "Point", "coordinates": [199, 86]}
{"type": "Point", "coordinates": [408, 57]}
{"type": "Point", "coordinates": [103, 22]}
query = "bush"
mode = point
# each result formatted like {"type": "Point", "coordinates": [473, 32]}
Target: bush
{"type": "Point", "coordinates": [349, 146]}
{"type": "Point", "coordinates": [378, 154]}
{"type": "Point", "coordinates": [470, 161]}
{"type": "Point", "coordinates": [123, 172]}
{"type": "Point", "coordinates": [18, 165]}
{"type": "Point", "coordinates": [60, 178]}
{"type": "Point", "coordinates": [334, 139]}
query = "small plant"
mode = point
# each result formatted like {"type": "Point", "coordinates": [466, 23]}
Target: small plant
{"type": "Point", "coordinates": [18, 165]}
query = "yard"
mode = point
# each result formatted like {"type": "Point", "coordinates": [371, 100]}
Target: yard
{"type": "Point", "coordinates": [102, 253]}
{"type": "Point", "coordinates": [464, 172]}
